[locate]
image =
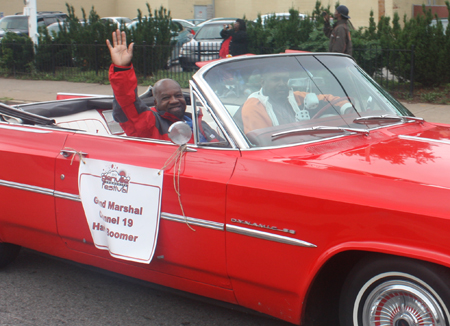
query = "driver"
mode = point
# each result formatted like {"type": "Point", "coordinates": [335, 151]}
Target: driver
{"type": "Point", "coordinates": [276, 104]}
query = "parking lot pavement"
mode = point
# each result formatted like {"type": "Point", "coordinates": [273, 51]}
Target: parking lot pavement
{"type": "Point", "coordinates": [44, 90]}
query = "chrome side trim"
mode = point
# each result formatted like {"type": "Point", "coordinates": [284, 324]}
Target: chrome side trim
{"type": "Point", "coordinates": [39, 190]}
{"type": "Point", "coordinates": [268, 236]}
{"type": "Point", "coordinates": [173, 217]}
{"type": "Point", "coordinates": [65, 195]}
{"type": "Point", "coordinates": [21, 186]}
{"type": "Point", "coordinates": [424, 140]}
{"type": "Point", "coordinates": [193, 221]}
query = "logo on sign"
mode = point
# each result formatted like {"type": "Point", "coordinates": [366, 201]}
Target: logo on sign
{"type": "Point", "coordinates": [115, 180]}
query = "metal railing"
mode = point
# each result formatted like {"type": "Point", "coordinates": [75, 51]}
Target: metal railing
{"type": "Point", "coordinates": [392, 68]}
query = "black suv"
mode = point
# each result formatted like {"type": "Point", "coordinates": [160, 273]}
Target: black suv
{"type": "Point", "coordinates": [19, 23]}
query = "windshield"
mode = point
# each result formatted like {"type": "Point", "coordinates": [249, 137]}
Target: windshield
{"type": "Point", "coordinates": [269, 97]}
{"type": "Point", "coordinates": [211, 31]}
{"type": "Point", "coordinates": [124, 20]}
{"type": "Point", "coordinates": [14, 23]}
{"type": "Point", "coordinates": [55, 28]}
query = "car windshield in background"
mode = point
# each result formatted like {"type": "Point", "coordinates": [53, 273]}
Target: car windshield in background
{"type": "Point", "coordinates": [210, 31]}
{"type": "Point", "coordinates": [124, 20]}
{"type": "Point", "coordinates": [12, 22]}
{"type": "Point", "coordinates": [55, 28]}
{"type": "Point", "coordinates": [306, 92]}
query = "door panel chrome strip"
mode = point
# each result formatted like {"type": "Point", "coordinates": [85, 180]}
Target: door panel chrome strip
{"type": "Point", "coordinates": [268, 236]}
{"type": "Point", "coordinates": [21, 186]}
{"type": "Point", "coordinates": [425, 140]}
{"type": "Point", "coordinates": [193, 221]}
{"type": "Point", "coordinates": [65, 195]}
{"type": "Point", "coordinates": [173, 217]}
{"type": "Point", "coordinates": [39, 190]}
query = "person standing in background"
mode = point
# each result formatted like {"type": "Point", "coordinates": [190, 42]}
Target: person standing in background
{"type": "Point", "coordinates": [239, 39]}
{"type": "Point", "coordinates": [339, 33]}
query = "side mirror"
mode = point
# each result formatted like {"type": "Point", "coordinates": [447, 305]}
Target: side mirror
{"type": "Point", "coordinates": [180, 133]}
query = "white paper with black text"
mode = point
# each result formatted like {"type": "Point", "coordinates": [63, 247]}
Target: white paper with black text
{"type": "Point", "coordinates": [122, 204]}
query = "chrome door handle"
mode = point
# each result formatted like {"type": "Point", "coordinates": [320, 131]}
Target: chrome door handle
{"type": "Point", "coordinates": [69, 152]}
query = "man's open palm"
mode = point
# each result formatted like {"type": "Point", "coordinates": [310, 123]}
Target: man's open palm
{"type": "Point", "coordinates": [120, 54]}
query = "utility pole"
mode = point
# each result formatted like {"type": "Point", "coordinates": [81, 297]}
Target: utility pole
{"type": "Point", "coordinates": [30, 10]}
{"type": "Point", "coordinates": [381, 9]}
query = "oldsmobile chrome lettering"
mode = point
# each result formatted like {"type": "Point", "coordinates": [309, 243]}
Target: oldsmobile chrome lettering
{"type": "Point", "coordinates": [263, 226]}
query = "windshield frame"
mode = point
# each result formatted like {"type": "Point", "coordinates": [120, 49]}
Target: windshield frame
{"type": "Point", "coordinates": [243, 141]}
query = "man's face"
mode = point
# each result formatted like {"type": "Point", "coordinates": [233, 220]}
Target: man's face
{"type": "Point", "coordinates": [169, 98]}
{"type": "Point", "coordinates": [337, 15]}
{"type": "Point", "coordinates": [275, 85]}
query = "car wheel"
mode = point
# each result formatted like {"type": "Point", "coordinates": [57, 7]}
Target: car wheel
{"type": "Point", "coordinates": [8, 252]}
{"type": "Point", "coordinates": [395, 291]}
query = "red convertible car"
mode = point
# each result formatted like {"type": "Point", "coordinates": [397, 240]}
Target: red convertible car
{"type": "Point", "coordinates": [330, 209]}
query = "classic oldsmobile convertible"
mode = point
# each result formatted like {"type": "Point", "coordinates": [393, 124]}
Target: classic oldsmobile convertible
{"type": "Point", "coordinates": [336, 217]}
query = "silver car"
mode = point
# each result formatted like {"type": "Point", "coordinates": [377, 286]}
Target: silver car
{"type": "Point", "coordinates": [204, 46]}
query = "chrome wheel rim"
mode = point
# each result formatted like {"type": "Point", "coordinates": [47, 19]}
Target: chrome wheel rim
{"type": "Point", "coordinates": [398, 302]}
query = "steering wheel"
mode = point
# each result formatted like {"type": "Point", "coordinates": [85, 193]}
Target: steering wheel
{"type": "Point", "coordinates": [327, 106]}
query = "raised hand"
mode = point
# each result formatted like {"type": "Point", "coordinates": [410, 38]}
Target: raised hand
{"type": "Point", "coordinates": [121, 55]}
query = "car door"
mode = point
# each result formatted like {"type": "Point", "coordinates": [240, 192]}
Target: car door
{"type": "Point", "coordinates": [189, 245]}
{"type": "Point", "coordinates": [27, 165]}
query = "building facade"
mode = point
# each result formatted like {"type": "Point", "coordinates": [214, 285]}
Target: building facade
{"type": "Point", "coordinates": [188, 9]}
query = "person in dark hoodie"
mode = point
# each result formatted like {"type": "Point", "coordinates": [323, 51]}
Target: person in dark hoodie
{"type": "Point", "coordinates": [239, 38]}
{"type": "Point", "coordinates": [135, 118]}
{"type": "Point", "coordinates": [339, 33]}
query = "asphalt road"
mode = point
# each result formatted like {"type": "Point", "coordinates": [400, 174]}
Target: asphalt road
{"type": "Point", "coordinates": [37, 290]}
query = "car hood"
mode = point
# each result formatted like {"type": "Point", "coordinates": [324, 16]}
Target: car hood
{"type": "Point", "coordinates": [411, 152]}
{"type": "Point", "coordinates": [403, 168]}
{"type": "Point", "coordinates": [206, 40]}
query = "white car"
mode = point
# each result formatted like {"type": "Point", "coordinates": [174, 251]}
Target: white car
{"type": "Point", "coordinates": [119, 21]}
{"type": "Point", "coordinates": [278, 15]}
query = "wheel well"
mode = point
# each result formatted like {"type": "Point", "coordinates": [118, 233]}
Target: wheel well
{"type": "Point", "coordinates": [322, 299]}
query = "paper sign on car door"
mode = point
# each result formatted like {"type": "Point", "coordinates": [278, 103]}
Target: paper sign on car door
{"type": "Point", "coordinates": [122, 204]}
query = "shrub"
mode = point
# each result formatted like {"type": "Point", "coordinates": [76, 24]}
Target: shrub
{"type": "Point", "coordinates": [82, 43]}
{"type": "Point", "coordinates": [17, 53]}
{"type": "Point", "coordinates": [152, 38]}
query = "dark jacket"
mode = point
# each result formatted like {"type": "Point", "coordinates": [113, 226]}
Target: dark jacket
{"type": "Point", "coordinates": [340, 39]}
{"type": "Point", "coordinates": [239, 41]}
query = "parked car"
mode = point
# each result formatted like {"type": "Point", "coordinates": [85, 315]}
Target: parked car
{"type": "Point", "coordinates": [55, 28]}
{"type": "Point", "coordinates": [278, 15]}
{"type": "Point", "coordinates": [444, 22]}
{"type": "Point", "coordinates": [19, 23]}
{"type": "Point", "coordinates": [196, 21]}
{"type": "Point", "coordinates": [204, 46]}
{"type": "Point", "coordinates": [183, 22]}
{"type": "Point", "coordinates": [180, 35]}
{"type": "Point", "coordinates": [341, 214]}
{"type": "Point", "coordinates": [119, 21]}
{"type": "Point", "coordinates": [215, 19]}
